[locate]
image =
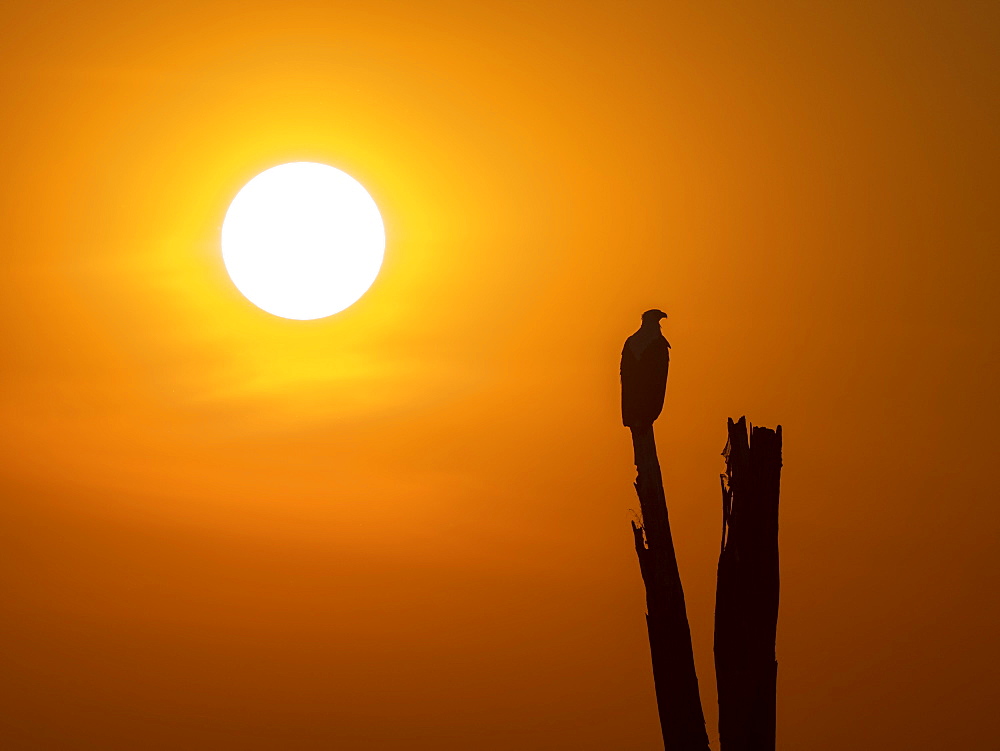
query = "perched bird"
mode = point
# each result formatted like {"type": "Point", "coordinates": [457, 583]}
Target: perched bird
{"type": "Point", "coordinates": [645, 361]}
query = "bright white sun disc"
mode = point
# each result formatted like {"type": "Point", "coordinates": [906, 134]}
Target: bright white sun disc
{"type": "Point", "coordinates": [303, 240]}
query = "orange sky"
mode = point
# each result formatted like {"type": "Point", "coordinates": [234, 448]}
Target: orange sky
{"type": "Point", "coordinates": [406, 526]}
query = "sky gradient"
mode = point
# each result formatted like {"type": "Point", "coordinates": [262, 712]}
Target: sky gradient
{"type": "Point", "coordinates": [407, 525]}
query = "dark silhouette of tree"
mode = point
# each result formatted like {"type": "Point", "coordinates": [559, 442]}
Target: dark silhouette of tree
{"type": "Point", "coordinates": [746, 599]}
{"type": "Point", "coordinates": [746, 602]}
{"type": "Point", "coordinates": [644, 366]}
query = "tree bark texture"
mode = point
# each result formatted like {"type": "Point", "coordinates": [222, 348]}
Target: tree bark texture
{"type": "Point", "coordinates": [676, 683]}
{"type": "Point", "coordinates": [746, 599]}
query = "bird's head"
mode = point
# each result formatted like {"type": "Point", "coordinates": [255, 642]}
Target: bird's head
{"type": "Point", "coordinates": [653, 317]}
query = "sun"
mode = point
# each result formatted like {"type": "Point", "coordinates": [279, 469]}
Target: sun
{"type": "Point", "coordinates": [303, 240]}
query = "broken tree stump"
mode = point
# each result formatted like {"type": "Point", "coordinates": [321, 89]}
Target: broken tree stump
{"type": "Point", "coordinates": [676, 683]}
{"type": "Point", "coordinates": [746, 598]}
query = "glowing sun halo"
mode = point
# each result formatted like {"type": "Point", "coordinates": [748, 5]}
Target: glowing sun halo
{"type": "Point", "coordinates": [303, 240]}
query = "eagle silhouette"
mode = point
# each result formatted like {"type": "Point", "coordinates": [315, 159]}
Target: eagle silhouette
{"type": "Point", "coordinates": [645, 362]}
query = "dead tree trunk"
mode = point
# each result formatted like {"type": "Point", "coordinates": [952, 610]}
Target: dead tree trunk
{"type": "Point", "coordinates": [676, 683]}
{"type": "Point", "coordinates": [746, 598]}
